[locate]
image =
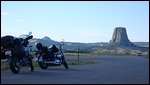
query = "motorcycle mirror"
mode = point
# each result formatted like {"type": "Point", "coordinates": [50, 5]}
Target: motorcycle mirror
{"type": "Point", "coordinates": [62, 42]}
{"type": "Point", "coordinates": [30, 33]}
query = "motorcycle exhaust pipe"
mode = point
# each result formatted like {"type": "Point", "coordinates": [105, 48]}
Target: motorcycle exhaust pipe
{"type": "Point", "coordinates": [53, 62]}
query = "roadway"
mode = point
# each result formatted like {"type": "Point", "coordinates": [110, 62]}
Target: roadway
{"type": "Point", "coordinates": [106, 70]}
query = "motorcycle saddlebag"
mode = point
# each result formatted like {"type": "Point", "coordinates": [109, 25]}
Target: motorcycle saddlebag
{"type": "Point", "coordinates": [7, 41]}
{"type": "Point", "coordinates": [48, 55]}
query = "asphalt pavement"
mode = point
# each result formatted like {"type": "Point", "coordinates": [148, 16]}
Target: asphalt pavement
{"type": "Point", "coordinates": [106, 70]}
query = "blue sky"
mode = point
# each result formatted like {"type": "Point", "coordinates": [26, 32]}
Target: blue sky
{"type": "Point", "coordinates": [76, 21]}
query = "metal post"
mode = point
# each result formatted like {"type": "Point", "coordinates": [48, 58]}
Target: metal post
{"type": "Point", "coordinates": [78, 53]}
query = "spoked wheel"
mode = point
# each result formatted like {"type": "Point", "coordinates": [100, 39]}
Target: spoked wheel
{"type": "Point", "coordinates": [15, 68]}
{"type": "Point", "coordinates": [30, 64]}
{"type": "Point", "coordinates": [43, 65]}
{"type": "Point", "coordinates": [65, 64]}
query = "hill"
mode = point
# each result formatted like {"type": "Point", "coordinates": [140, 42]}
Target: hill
{"type": "Point", "coordinates": [97, 48]}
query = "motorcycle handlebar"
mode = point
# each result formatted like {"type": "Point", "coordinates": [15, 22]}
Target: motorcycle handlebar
{"type": "Point", "coordinates": [30, 37]}
{"type": "Point", "coordinates": [25, 41]}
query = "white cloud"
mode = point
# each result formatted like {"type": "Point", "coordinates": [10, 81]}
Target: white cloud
{"type": "Point", "coordinates": [5, 13]}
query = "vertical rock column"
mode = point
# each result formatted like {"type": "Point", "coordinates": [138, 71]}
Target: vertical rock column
{"type": "Point", "coordinates": [120, 37]}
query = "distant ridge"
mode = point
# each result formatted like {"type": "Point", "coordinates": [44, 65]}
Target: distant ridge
{"type": "Point", "coordinates": [46, 38]}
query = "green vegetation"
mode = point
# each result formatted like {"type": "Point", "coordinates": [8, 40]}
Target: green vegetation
{"type": "Point", "coordinates": [80, 54]}
{"type": "Point", "coordinates": [120, 50]}
{"type": "Point", "coordinates": [35, 64]}
{"type": "Point", "coordinates": [98, 51]}
{"type": "Point", "coordinates": [80, 62]}
{"type": "Point", "coordinates": [4, 67]}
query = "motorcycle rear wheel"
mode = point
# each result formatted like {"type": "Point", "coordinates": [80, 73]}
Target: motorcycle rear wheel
{"type": "Point", "coordinates": [14, 68]}
{"type": "Point", "coordinates": [31, 68]}
{"type": "Point", "coordinates": [43, 65]}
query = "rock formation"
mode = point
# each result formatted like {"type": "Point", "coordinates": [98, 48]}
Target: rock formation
{"type": "Point", "coordinates": [120, 37]}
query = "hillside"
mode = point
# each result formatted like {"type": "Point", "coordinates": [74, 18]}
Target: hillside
{"type": "Point", "coordinates": [97, 48]}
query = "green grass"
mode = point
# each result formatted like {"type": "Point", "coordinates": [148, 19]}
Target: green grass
{"type": "Point", "coordinates": [4, 67]}
{"type": "Point", "coordinates": [96, 54]}
{"type": "Point", "coordinates": [80, 54]}
{"type": "Point", "coordinates": [35, 64]}
{"type": "Point", "coordinates": [80, 62]}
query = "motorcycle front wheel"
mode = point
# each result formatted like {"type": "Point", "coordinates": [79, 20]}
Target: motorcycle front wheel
{"type": "Point", "coordinates": [65, 64]}
{"type": "Point", "coordinates": [31, 68]}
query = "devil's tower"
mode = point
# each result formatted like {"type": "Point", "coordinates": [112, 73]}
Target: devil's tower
{"type": "Point", "coordinates": [120, 37]}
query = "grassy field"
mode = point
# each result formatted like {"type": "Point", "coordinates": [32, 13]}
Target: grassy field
{"type": "Point", "coordinates": [73, 54]}
{"type": "Point", "coordinates": [35, 64]}
{"type": "Point", "coordinates": [91, 54]}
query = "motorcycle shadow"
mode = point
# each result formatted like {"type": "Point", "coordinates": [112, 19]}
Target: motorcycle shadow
{"type": "Point", "coordinates": [62, 69]}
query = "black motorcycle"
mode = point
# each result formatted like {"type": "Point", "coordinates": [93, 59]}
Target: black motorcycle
{"type": "Point", "coordinates": [51, 56]}
{"type": "Point", "coordinates": [16, 51]}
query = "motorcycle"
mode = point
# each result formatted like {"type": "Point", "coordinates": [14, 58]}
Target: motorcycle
{"type": "Point", "coordinates": [51, 56]}
{"type": "Point", "coordinates": [16, 51]}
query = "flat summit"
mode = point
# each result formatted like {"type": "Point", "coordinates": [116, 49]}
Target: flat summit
{"type": "Point", "coordinates": [120, 37]}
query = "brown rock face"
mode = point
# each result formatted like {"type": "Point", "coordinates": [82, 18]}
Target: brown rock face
{"type": "Point", "coordinates": [120, 37]}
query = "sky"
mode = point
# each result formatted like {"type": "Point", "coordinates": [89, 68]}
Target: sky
{"type": "Point", "coordinates": [76, 21]}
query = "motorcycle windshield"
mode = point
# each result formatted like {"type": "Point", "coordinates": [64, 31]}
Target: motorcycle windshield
{"type": "Point", "coordinates": [23, 36]}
